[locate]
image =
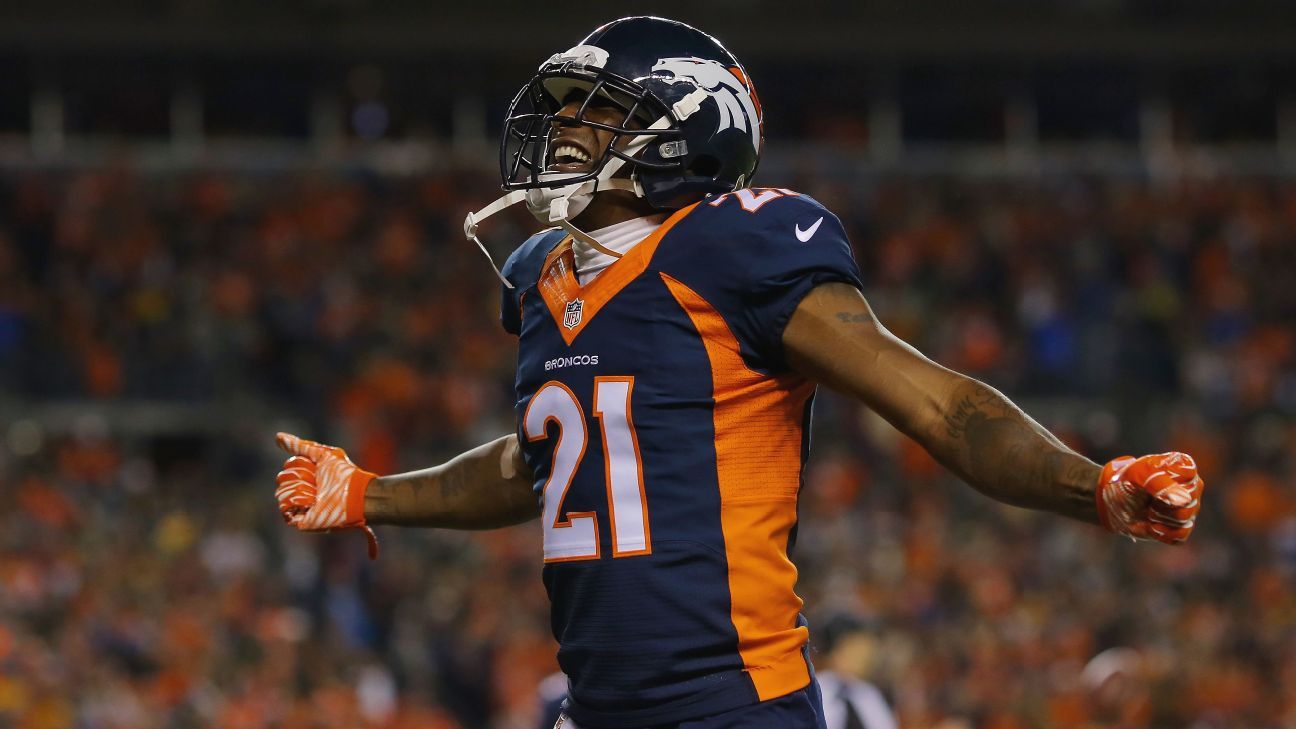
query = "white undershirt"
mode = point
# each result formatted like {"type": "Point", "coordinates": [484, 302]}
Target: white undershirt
{"type": "Point", "coordinates": [620, 237]}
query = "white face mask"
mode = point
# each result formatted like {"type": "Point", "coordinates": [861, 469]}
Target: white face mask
{"type": "Point", "coordinates": [558, 205]}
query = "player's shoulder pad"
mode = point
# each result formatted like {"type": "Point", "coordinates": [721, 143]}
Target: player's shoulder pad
{"type": "Point", "coordinates": [762, 217]}
{"type": "Point", "coordinates": [762, 210]}
{"type": "Point", "coordinates": [522, 268]}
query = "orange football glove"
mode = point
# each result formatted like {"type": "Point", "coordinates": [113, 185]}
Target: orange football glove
{"type": "Point", "coordinates": [1150, 497]}
{"type": "Point", "coordinates": [320, 489]}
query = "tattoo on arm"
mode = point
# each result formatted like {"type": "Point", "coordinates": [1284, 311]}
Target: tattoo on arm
{"type": "Point", "coordinates": [1002, 452]}
{"type": "Point", "coordinates": [413, 496]}
{"type": "Point", "coordinates": [472, 491]}
{"type": "Point", "coordinates": [972, 410]}
{"type": "Point", "coordinates": [971, 428]}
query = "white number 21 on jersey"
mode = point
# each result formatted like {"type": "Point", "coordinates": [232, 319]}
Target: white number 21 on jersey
{"type": "Point", "coordinates": [576, 536]}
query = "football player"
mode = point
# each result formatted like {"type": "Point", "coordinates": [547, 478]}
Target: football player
{"type": "Point", "coordinates": [672, 327]}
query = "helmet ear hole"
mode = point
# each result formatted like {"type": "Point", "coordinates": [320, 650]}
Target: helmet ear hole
{"type": "Point", "coordinates": [705, 166]}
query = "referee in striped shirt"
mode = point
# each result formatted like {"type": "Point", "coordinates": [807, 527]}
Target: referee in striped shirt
{"type": "Point", "coordinates": [847, 648]}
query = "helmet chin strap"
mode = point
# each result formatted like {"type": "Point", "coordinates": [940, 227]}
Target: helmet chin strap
{"type": "Point", "coordinates": [558, 205]}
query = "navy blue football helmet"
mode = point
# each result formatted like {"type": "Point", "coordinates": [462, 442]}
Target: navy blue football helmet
{"type": "Point", "coordinates": [692, 121]}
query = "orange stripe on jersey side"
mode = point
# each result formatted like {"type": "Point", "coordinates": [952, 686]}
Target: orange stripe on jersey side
{"type": "Point", "coordinates": [758, 437]}
{"type": "Point", "coordinates": [558, 284]}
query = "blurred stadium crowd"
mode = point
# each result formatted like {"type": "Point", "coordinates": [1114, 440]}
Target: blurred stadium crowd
{"type": "Point", "coordinates": [145, 580]}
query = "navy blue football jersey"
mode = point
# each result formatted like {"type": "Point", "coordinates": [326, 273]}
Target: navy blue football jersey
{"type": "Point", "coordinates": [668, 434]}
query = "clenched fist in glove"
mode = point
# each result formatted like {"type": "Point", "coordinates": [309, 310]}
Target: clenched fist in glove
{"type": "Point", "coordinates": [1150, 497]}
{"type": "Point", "coordinates": [320, 489]}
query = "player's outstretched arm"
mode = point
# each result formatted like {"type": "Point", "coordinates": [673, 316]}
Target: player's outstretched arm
{"type": "Point", "coordinates": [487, 487]}
{"type": "Point", "coordinates": [320, 489]}
{"type": "Point", "coordinates": [834, 338]}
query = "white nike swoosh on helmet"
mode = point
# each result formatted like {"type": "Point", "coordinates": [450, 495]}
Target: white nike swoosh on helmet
{"type": "Point", "coordinates": [807, 234]}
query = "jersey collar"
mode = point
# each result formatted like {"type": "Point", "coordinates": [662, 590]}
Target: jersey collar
{"type": "Point", "coordinates": [572, 305]}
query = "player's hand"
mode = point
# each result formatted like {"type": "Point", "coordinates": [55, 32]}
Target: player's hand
{"type": "Point", "coordinates": [320, 489]}
{"type": "Point", "coordinates": [1150, 497]}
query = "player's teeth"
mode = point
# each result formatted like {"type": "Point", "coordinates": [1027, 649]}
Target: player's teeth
{"type": "Point", "coordinates": [571, 153]}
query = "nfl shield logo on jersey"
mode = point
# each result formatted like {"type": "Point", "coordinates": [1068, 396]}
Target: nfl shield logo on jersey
{"type": "Point", "coordinates": [572, 314]}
